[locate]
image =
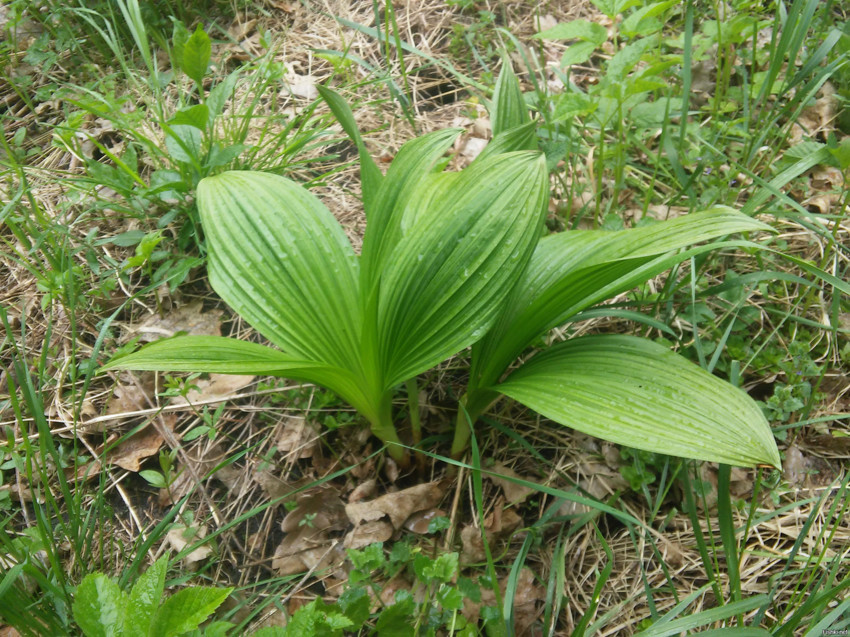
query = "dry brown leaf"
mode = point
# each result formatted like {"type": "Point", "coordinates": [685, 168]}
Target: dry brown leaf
{"type": "Point", "coordinates": [306, 549]}
{"type": "Point", "coordinates": [363, 490]}
{"type": "Point", "coordinates": [473, 147]}
{"type": "Point", "coordinates": [397, 506]}
{"type": "Point", "coordinates": [502, 521]}
{"type": "Point", "coordinates": [179, 537]}
{"type": "Point", "coordinates": [472, 544]}
{"type": "Point", "coordinates": [528, 600]}
{"type": "Point", "coordinates": [421, 520]}
{"type": "Point", "coordinates": [321, 509]}
{"type": "Point", "coordinates": [216, 387]}
{"type": "Point", "coordinates": [240, 30]}
{"type": "Point", "coordinates": [130, 453]}
{"type": "Point", "coordinates": [298, 437]}
{"type": "Point", "coordinates": [514, 493]}
{"type": "Point", "coordinates": [389, 590]}
{"type": "Point", "coordinates": [189, 318]}
{"type": "Point", "coordinates": [368, 533]}
{"type": "Point", "coordinates": [127, 398]}
{"type": "Point", "coordinates": [822, 204]}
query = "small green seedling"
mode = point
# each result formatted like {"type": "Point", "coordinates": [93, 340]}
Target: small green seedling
{"type": "Point", "coordinates": [102, 608]}
{"type": "Point", "coordinates": [449, 261]}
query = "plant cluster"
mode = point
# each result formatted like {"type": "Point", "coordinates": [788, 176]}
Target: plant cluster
{"type": "Point", "coordinates": [451, 261]}
{"type": "Point", "coordinates": [454, 265]}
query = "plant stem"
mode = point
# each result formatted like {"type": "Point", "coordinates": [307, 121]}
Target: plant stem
{"type": "Point", "coordinates": [383, 429]}
{"type": "Point", "coordinates": [462, 430]}
{"type": "Point", "coordinates": [413, 408]}
{"type": "Point", "coordinates": [470, 407]}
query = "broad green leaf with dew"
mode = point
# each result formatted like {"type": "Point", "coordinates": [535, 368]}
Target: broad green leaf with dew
{"type": "Point", "coordinates": [637, 393]}
{"type": "Point", "coordinates": [281, 260]}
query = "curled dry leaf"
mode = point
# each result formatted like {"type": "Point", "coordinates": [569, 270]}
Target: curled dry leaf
{"type": "Point", "coordinates": [363, 490]}
{"type": "Point", "coordinates": [144, 444]}
{"type": "Point", "coordinates": [179, 537]}
{"type": "Point", "coordinates": [368, 533]}
{"type": "Point", "coordinates": [473, 147]}
{"type": "Point", "coordinates": [514, 493]}
{"type": "Point", "coordinates": [420, 521]}
{"type": "Point", "coordinates": [298, 438]}
{"type": "Point", "coordinates": [472, 544]}
{"type": "Point", "coordinates": [216, 387]}
{"type": "Point", "coordinates": [389, 590]}
{"type": "Point", "coordinates": [397, 506]}
{"type": "Point", "coordinates": [321, 509]}
{"type": "Point", "coordinates": [528, 600]}
{"type": "Point", "coordinates": [502, 521]}
{"type": "Point", "coordinates": [598, 480]}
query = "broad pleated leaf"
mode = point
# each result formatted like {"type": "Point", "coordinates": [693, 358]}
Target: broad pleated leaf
{"type": "Point", "coordinates": [409, 169]}
{"type": "Point", "coordinates": [635, 392]}
{"type": "Point", "coordinates": [222, 355]}
{"type": "Point", "coordinates": [445, 281]}
{"type": "Point", "coordinates": [279, 258]}
{"type": "Point", "coordinates": [519, 138]}
{"type": "Point", "coordinates": [571, 271]}
{"type": "Point", "coordinates": [210, 354]}
{"type": "Point", "coordinates": [508, 110]}
{"type": "Point", "coordinates": [370, 174]}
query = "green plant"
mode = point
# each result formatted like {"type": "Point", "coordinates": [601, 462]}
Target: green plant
{"type": "Point", "coordinates": [102, 608]}
{"type": "Point", "coordinates": [171, 128]}
{"type": "Point", "coordinates": [437, 606]}
{"type": "Point", "coordinates": [451, 261]}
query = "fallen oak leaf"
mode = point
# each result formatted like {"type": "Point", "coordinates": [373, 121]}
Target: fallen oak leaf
{"type": "Point", "coordinates": [130, 453]}
{"type": "Point", "coordinates": [514, 493]}
{"type": "Point", "coordinates": [368, 533]}
{"type": "Point", "coordinates": [180, 536]}
{"type": "Point", "coordinates": [397, 506]}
